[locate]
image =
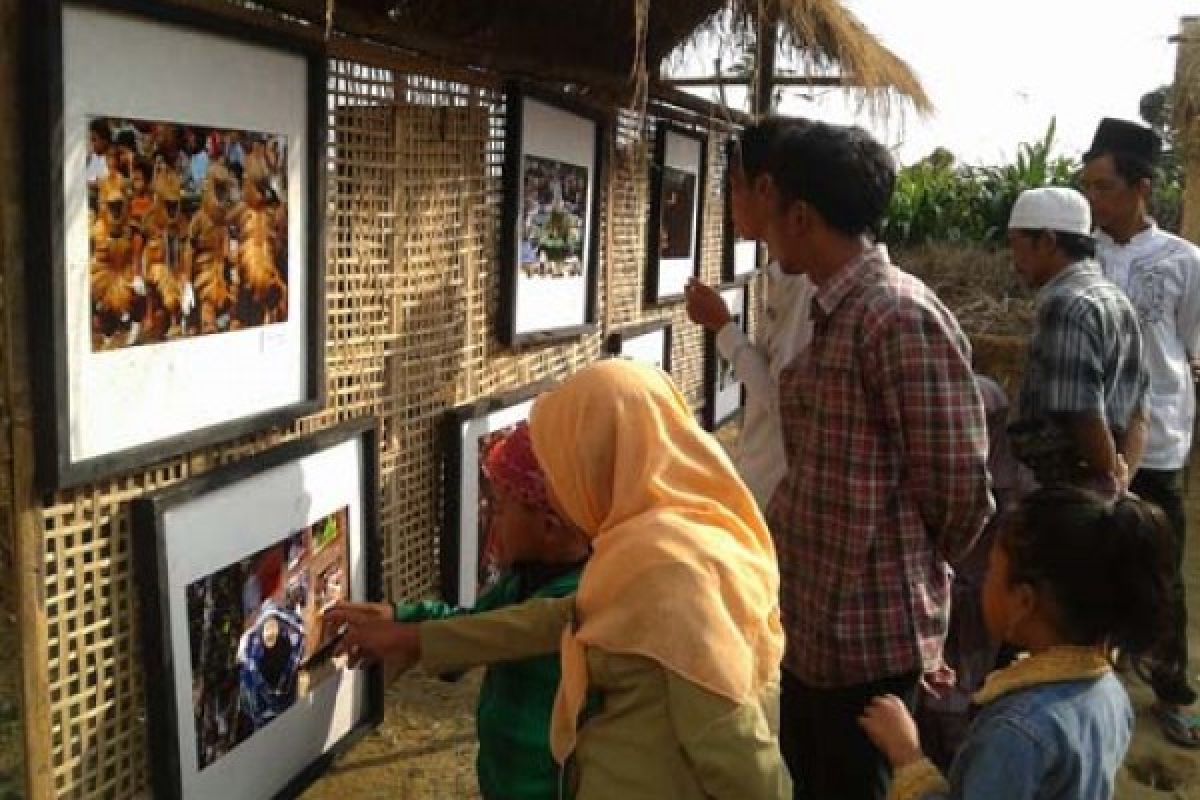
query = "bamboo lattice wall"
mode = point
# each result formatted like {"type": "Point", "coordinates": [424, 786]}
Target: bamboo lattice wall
{"type": "Point", "coordinates": [411, 271]}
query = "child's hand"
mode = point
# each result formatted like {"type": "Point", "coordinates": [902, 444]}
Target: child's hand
{"type": "Point", "coordinates": [892, 729]}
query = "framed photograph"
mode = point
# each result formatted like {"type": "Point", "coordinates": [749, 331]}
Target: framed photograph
{"type": "Point", "coordinates": [741, 256]}
{"type": "Point", "coordinates": [676, 211]}
{"type": "Point", "coordinates": [174, 224]}
{"type": "Point", "coordinates": [724, 393]}
{"type": "Point", "coordinates": [552, 182]}
{"type": "Point", "coordinates": [469, 558]}
{"type": "Point", "coordinates": [235, 566]}
{"type": "Point", "coordinates": [649, 343]}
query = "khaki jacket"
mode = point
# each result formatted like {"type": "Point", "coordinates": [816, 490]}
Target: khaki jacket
{"type": "Point", "coordinates": [655, 735]}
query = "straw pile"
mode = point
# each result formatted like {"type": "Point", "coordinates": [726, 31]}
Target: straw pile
{"type": "Point", "coordinates": [977, 283]}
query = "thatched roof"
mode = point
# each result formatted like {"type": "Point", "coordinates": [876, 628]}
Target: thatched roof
{"type": "Point", "coordinates": [596, 41]}
{"type": "Point", "coordinates": [825, 28]}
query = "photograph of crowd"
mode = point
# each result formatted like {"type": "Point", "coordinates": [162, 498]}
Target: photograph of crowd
{"type": "Point", "coordinates": [253, 625]}
{"type": "Point", "coordinates": [188, 230]}
{"type": "Point", "coordinates": [552, 218]}
{"type": "Point", "coordinates": [678, 210]}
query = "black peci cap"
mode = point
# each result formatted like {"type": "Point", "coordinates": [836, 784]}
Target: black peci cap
{"type": "Point", "coordinates": [1122, 136]}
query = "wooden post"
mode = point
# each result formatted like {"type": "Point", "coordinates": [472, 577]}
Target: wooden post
{"type": "Point", "coordinates": [767, 42]}
{"type": "Point", "coordinates": [25, 523]}
{"type": "Point", "coordinates": [1187, 89]}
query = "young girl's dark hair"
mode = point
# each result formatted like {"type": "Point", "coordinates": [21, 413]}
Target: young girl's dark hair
{"type": "Point", "coordinates": [1105, 565]}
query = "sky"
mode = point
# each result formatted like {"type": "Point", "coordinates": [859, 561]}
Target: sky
{"type": "Point", "coordinates": [997, 72]}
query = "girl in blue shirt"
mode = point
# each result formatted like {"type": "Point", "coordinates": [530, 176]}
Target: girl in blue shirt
{"type": "Point", "coordinates": [1070, 577]}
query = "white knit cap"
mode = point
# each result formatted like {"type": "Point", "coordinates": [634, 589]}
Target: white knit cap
{"type": "Point", "coordinates": [1051, 209]}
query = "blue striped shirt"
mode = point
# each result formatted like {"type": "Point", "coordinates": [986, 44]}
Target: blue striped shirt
{"type": "Point", "coordinates": [1085, 355]}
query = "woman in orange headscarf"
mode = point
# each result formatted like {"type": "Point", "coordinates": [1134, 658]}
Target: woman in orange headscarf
{"type": "Point", "coordinates": [675, 626]}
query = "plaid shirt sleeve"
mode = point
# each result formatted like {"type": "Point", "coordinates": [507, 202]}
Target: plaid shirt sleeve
{"type": "Point", "coordinates": [1072, 356]}
{"type": "Point", "coordinates": [931, 400]}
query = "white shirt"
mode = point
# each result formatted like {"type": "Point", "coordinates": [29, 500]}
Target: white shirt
{"type": "Point", "coordinates": [786, 330]}
{"type": "Point", "coordinates": [1160, 273]}
{"type": "Point", "coordinates": [97, 168]}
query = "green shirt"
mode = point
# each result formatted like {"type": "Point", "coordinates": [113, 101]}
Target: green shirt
{"type": "Point", "coordinates": [516, 699]}
{"type": "Point", "coordinates": [653, 735]}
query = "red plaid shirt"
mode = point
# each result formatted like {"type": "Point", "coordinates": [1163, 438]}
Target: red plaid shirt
{"type": "Point", "coordinates": [887, 448]}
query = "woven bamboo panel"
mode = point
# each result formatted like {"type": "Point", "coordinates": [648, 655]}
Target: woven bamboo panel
{"type": "Point", "coordinates": [627, 218]}
{"type": "Point", "coordinates": [413, 217]}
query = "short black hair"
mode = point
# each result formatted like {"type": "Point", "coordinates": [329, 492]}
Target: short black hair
{"type": "Point", "coordinates": [841, 171]}
{"type": "Point", "coordinates": [127, 138]}
{"type": "Point", "coordinates": [143, 165]}
{"type": "Point", "coordinates": [1130, 167]}
{"type": "Point", "coordinates": [751, 148]}
{"type": "Point", "coordinates": [1105, 565]}
{"type": "Point", "coordinates": [101, 129]}
{"type": "Point", "coordinates": [1074, 245]}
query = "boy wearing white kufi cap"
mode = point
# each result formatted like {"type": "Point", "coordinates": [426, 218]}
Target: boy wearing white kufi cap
{"type": "Point", "coordinates": [1079, 414]}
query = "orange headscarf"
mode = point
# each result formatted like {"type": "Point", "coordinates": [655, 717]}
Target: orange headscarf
{"type": "Point", "coordinates": [683, 570]}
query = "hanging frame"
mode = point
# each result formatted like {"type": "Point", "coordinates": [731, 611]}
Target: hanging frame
{"type": "Point", "coordinates": [189, 311]}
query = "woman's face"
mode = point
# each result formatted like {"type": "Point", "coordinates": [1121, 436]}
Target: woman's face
{"type": "Point", "coordinates": [519, 529]}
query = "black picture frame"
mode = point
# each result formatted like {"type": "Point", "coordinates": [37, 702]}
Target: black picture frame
{"type": "Point", "coordinates": [460, 471]}
{"type": "Point", "coordinates": [517, 96]}
{"type": "Point", "coordinates": [618, 341]}
{"type": "Point", "coordinates": [150, 515]}
{"type": "Point", "coordinates": [664, 130]}
{"type": "Point", "coordinates": [731, 270]}
{"type": "Point", "coordinates": [46, 209]}
{"type": "Point", "coordinates": [712, 417]}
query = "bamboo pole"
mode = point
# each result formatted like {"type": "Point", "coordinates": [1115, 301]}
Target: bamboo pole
{"type": "Point", "coordinates": [25, 523]}
{"type": "Point", "coordinates": [804, 81]}
{"type": "Point", "coordinates": [1187, 87]}
{"type": "Point", "coordinates": [764, 65]}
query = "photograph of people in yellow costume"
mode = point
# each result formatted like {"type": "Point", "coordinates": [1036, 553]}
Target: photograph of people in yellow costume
{"type": "Point", "coordinates": [188, 231]}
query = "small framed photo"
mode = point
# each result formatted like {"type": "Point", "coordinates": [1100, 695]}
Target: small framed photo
{"type": "Point", "coordinates": [470, 561]}
{"type": "Point", "coordinates": [236, 567]}
{"type": "Point", "coordinates": [741, 256]}
{"type": "Point", "coordinates": [175, 207]}
{"type": "Point", "coordinates": [676, 211]}
{"type": "Point", "coordinates": [724, 393]}
{"type": "Point", "coordinates": [649, 343]}
{"type": "Point", "coordinates": [552, 181]}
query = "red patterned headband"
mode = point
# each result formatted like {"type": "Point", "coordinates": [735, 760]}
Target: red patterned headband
{"type": "Point", "coordinates": [512, 467]}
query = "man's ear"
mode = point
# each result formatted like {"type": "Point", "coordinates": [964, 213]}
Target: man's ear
{"type": "Point", "coordinates": [763, 185]}
{"type": "Point", "coordinates": [1046, 241]}
{"type": "Point", "coordinates": [1027, 600]}
{"type": "Point", "coordinates": [1144, 189]}
{"type": "Point", "coordinates": [800, 215]}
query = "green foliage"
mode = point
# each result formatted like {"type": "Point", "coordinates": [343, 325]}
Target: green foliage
{"type": "Point", "coordinates": [935, 201]}
{"type": "Point", "coordinates": [1166, 203]}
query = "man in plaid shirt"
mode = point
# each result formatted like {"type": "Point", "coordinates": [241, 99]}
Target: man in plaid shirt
{"type": "Point", "coordinates": [1080, 415]}
{"type": "Point", "coordinates": [887, 448]}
